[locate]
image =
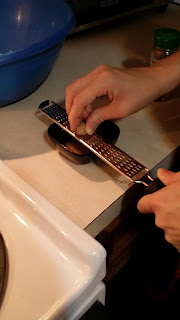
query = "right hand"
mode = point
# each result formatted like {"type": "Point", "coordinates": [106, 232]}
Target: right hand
{"type": "Point", "coordinates": [128, 90]}
{"type": "Point", "coordinates": [165, 204]}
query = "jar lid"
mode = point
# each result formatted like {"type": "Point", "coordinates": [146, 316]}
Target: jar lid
{"type": "Point", "coordinates": [166, 38]}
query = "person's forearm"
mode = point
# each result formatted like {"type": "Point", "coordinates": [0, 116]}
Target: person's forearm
{"type": "Point", "coordinates": [166, 73]}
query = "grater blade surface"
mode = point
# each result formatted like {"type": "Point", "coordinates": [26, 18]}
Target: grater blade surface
{"type": "Point", "coordinates": [109, 153]}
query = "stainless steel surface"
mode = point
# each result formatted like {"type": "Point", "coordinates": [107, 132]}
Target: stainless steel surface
{"type": "Point", "coordinates": [113, 156]}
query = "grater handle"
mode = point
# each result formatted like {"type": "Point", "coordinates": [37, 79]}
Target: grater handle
{"type": "Point", "coordinates": [154, 186]}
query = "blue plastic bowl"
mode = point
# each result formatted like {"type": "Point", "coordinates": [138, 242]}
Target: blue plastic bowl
{"type": "Point", "coordinates": [32, 35]}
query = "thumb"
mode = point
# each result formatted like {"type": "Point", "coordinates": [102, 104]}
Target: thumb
{"type": "Point", "coordinates": [165, 176]}
{"type": "Point", "coordinates": [99, 114]}
{"type": "Point", "coordinates": [92, 121]}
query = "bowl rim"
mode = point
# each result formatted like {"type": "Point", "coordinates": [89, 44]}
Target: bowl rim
{"type": "Point", "coordinates": [38, 47]}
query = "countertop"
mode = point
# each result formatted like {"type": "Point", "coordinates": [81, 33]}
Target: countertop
{"type": "Point", "coordinates": [86, 193]}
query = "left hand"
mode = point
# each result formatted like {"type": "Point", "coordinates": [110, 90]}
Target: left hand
{"type": "Point", "coordinates": [165, 204]}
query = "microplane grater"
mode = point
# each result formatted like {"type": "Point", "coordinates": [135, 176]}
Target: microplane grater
{"type": "Point", "coordinates": [109, 153]}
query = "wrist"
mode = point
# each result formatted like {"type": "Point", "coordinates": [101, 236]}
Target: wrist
{"type": "Point", "coordinates": [166, 74]}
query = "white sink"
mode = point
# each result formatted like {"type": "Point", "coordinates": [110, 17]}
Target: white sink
{"type": "Point", "coordinates": [53, 265]}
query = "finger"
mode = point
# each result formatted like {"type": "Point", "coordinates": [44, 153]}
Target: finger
{"type": "Point", "coordinates": [95, 89]}
{"type": "Point", "coordinates": [165, 176]}
{"type": "Point", "coordinates": [75, 88]}
{"type": "Point", "coordinates": [93, 121]}
{"type": "Point", "coordinates": [109, 111]}
{"type": "Point", "coordinates": [145, 204]}
{"type": "Point", "coordinates": [87, 111]}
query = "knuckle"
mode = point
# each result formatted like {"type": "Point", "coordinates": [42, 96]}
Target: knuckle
{"type": "Point", "coordinates": [105, 75]}
{"type": "Point", "coordinates": [97, 117]}
{"type": "Point", "coordinates": [78, 107]}
{"type": "Point", "coordinates": [71, 90]}
{"type": "Point", "coordinates": [168, 237]}
{"type": "Point", "coordinates": [109, 75]}
{"type": "Point", "coordinates": [102, 68]}
{"type": "Point", "coordinates": [156, 202]}
{"type": "Point", "coordinates": [68, 89]}
{"type": "Point", "coordinates": [77, 100]}
{"type": "Point", "coordinates": [159, 222]}
{"type": "Point", "coordinates": [69, 94]}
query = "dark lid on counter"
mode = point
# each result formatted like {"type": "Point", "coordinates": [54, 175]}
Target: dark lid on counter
{"type": "Point", "coordinates": [167, 38]}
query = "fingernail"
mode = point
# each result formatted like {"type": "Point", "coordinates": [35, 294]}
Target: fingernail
{"type": "Point", "coordinates": [90, 130]}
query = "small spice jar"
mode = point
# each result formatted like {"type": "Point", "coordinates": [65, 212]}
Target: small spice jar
{"type": "Point", "coordinates": [166, 42]}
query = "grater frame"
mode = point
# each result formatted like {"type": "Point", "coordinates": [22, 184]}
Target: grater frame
{"type": "Point", "coordinates": [109, 153]}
